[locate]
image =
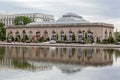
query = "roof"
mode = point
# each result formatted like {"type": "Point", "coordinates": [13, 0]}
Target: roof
{"type": "Point", "coordinates": [72, 17]}
{"type": "Point", "coordinates": [43, 25]}
{"type": "Point", "coordinates": [68, 18]}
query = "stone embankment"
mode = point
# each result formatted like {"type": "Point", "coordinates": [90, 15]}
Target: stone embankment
{"type": "Point", "coordinates": [61, 45]}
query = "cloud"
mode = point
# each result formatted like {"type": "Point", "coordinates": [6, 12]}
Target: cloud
{"type": "Point", "coordinates": [104, 10]}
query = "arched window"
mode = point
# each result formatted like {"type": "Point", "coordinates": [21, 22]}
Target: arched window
{"type": "Point", "coordinates": [110, 34]}
{"type": "Point", "coordinates": [62, 36]}
{"type": "Point", "coordinates": [11, 33]}
{"type": "Point", "coordinates": [90, 34]}
{"type": "Point", "coordinates": [30, 35]}
{"type": "Point", "coordinates": [10, 37]}
{"type": "Point", "coordinates": [45, 34]}
{"type": "Point", "coordinates": [24, 33]}
{"type": "Point", "coordinates": [80, 35]}
{"type": "Point", "coordinates": [38, 34]}
{"type": "Point", "coordinates": [54, 36]}
{"type": "Point", "coordinates": [70, 35]}
{"type": "Point", "coordinates": [17, 34]}
{"type": "Point", "coordinates": [106, 34]}
{"type": "Point", "coordinates": [24, 37]}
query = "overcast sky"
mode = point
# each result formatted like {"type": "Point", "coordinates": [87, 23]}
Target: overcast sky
{"type": "Point", "coordinates": [93, 10]}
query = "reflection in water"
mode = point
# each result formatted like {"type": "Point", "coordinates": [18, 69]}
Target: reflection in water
{"type": "Point", "coordinates": [69, 60]}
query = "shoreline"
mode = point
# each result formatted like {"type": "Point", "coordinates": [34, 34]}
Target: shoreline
{"type": "Point", "coordinates": [61, 45]}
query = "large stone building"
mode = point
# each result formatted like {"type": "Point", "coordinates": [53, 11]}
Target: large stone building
{"type": "Point", "coordinates": [8, 19]}
{"type": "Point", "coordinates": [70, 27]}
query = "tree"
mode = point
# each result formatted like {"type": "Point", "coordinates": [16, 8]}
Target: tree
{"type": "Point", "coordinates": [25, 38]}
{"type": "Point", "coordinates": [2, 32]}
{"type": "Point", "coordinates": [117, 36]}
{"type": "Point", "coordinates": [22, 20]}
{"type": "Point", "coordinates": [18, 38]}
{"type": "Point", "coordinates": [41, 39]}
{"type": "Point", "coordinates": [110, 38]}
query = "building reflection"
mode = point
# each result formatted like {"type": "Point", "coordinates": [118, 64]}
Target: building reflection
{"type": "Point", "coordinates": [32, 58]}
{"type": "Point", "coordinates": [86, 56]}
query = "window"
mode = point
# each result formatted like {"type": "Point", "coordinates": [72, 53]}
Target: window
{"type": "Point", "coordinates": [80, 35]}
{"type": "Point", "coordinates": [38, 34]}
{"type": "Point", "coordinates": [70, 35]}
{"type": "Point", "coordinates": [53, 35]}
{"type": "Point", "coordinates": [62, 36]}
{"type": "Point", "coordinates": [90, 35]}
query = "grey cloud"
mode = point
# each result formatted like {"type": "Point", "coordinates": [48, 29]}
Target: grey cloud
{"type": "Point", "coordinates": [107, 8]}
{"type": "Point", "coordinates": [101, 8]}
{"type": "Point", "coordinates": [13, 7]}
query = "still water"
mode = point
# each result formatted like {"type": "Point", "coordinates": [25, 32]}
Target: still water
{"type": "Point", "coordinates": [51, 63]}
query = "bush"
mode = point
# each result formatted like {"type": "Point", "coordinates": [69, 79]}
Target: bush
{"type": "Point", "coordinates": [111, 40]}
{"type": "Point", "coordinates": [17, 39]}
{"type": "Point", "coordinates": [41, 39]}
{"type": "Point", "coordinates": [104, 41]}
{"type": "Point", "coordinates": [25, 38]}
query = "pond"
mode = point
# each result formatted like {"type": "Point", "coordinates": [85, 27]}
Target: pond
{"type": "Point", "coordinates": [59, 63]}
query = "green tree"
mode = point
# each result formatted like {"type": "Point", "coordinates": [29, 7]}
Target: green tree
{"type": "Point", "coordinates": [117, 36]}
{"type": "Point", "coordinates": [18, 38]}
{"type": "Point", "coordinates": [22, 20]}
{"type": "Point", "coordinates": [110, 38]}
{"type": "Point", "coordinates": [41, 39]}
{"type": "Point", "coordinates": [25, 38]}
{"type": "Point", "coordinates": [2, 32]}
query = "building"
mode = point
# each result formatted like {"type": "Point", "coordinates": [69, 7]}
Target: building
{"type": "Point", "coordinates": [70, 27]}
{"type": "Point", "coordinates": [8, 19]}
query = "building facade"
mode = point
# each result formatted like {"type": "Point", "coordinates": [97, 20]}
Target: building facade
{"type": "Point", "coordinates": [8, 19]}
{"type": "Point", "coordinates": [70, 27]}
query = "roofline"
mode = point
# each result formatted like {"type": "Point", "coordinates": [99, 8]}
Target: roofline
{"type": "Point", "coordinates": [10, 14]}
{"type": "Point", "coordinates": [63, 25]}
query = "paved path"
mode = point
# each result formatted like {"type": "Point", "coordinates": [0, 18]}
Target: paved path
{"type": "Point", "coordinates": [61, 45]}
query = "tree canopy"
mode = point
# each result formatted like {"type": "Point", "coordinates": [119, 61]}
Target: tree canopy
{"type": "Point", "coordinates": [22, 20]}
{"type": "Point", "coordinates": [2, 31]}
{"type": "Point", "coordinates": [117, 36]}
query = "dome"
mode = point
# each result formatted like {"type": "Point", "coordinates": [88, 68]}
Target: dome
{"type": "Point", "coordinates": [72, 15]}
{"type": "Point", "coordinates": [72, 18]}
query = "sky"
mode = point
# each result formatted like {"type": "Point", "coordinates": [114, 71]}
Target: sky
{"type": "Point", "coordinates": [107, 11]}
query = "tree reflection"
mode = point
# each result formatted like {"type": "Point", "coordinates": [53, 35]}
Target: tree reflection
{"type": "Point", "coordinates": [2, 52]}
{"type": "Point", "coordinates": [21, 64]}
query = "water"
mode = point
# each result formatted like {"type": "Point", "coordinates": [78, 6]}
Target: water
{"type": "Point", "coordinates": [51, 63]}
